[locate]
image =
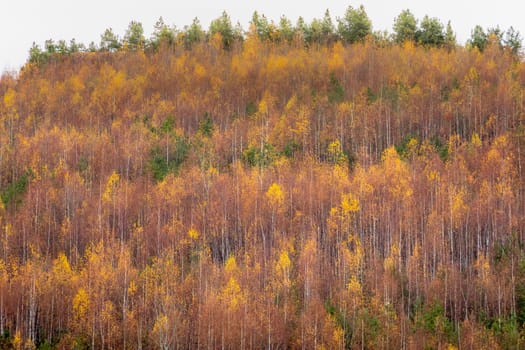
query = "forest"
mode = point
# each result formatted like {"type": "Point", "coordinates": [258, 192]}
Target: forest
{"type": "Point", "coordinates": [308, 186]}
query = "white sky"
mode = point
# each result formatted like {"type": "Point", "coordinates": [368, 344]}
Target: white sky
{"type": "Point", "coordinates": [23, 22]}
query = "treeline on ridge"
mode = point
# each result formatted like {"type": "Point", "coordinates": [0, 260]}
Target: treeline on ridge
{"type": "Point", "coordinates": [354, 26]}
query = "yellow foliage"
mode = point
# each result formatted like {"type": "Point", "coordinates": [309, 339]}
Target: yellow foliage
{"type": "Point", "coordinates": [292, 102]}
{"type": "Point", "coordinates": [276, 64]}
{"type": "Point", "coordinates": [9, 98]}
{"type": "Point", "coordinates": [354, 287]}
{"type": "Point", "coordinates": [334, 147]}
{"type": "Point", "coordinates": [349, 204]}
{"type": "Point", "coordinates": [118, 82]}
{"type": "Point", "coordinates": [232, 295]}
{"type": "Point", "coordinates": [281, 162]}
{"type": "Point", "coordinates": [503, 189]}
{"type": "Point", "coordinates": [301, 124]}
{"type": "Point", "coordinates": [284, 263]}
{"type": "Point", "coordinates": [212, 172]}
{"type": "Point", "coordinates": [263, 107]}
{"type": "Point", "coordinates": [283, 267]}
{"type": "Point", "coordinates": [161, 327]}
{"type": "Point", "coordinates": [132, 288]}
{"type": "Point", "coordinates": [231, 265]}
{"type": "Point", "coordinates": [17, 340]}
{"type": "Point", "coordinates": [394, 250]}
{"type": "Point", "coordinates": [251, 48]}
{"type": "Point", "coordinates": [475, 140]}
{"type": "Point", "coordinates": [472, 75]}
{"type": "Point", "coordinates": [112, 182]}
{"type": "Point", "coordinates": [356, 257]}
{"type": "Point", "coordinates": [496, 153]}
{"type": "Point", "coordinates": [335, 151]}
{"type": "Point", "coordinates": [80, 303]}
{"type": "Point", "coordinates": [416, 91]}
{"type": "Point", "coordinates": [240, 67]}
{"type": "Point", "coordinates": [396, 171]}
{"type": "Point", "coordinates": [334, 213]}
{"type": "Point", "coordinates": [199, 71]}
{"type": "Point", "coordinates": [338, 335]}
{"type": "Point", "coordinates": [216, 41]}
{"type": "Point", "coordinates": [388, 264]}
{"type": "Point", "coordinates": [493, 155]}
{"type": "Point", "coordinates": [432, 175]}
{"type": "Point", "coordinates": [412, 144]}
{"type": "Point", "coordinates": [344, 107]}
{"type": "Point", "coordinates": [340, 175]}
{"type": "Point", "coordinates": [335, 60]}
{"type": "Point", "coordinates": [61, 267]}
{"type": "Point", "coordinates": [193, 234]}
{"type": "Point", "coordinates": [137, 229]}
{"type": "Point", "coordinates": [458, 206]}
{"type": "Point", "coordinates": [275, 195]}
{"type": "Point", "coordinates": [76, 83]}
{"type": "Point", "coordinates": [501, 142]}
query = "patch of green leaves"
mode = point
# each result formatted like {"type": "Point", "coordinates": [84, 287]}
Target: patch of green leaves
{"type": "Point", "coordinates": [14, 191]}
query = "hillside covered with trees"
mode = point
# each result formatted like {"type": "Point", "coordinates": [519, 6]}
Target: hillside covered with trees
{"type": "Point", "coordinates": [317, 185]}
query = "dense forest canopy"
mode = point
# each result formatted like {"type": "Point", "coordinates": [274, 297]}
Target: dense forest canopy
{"type": "Point", "coordinates": [310, 186]}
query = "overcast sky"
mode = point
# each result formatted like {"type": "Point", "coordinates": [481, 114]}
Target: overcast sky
{"type": "Point", "coordinates": [23, 22]}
